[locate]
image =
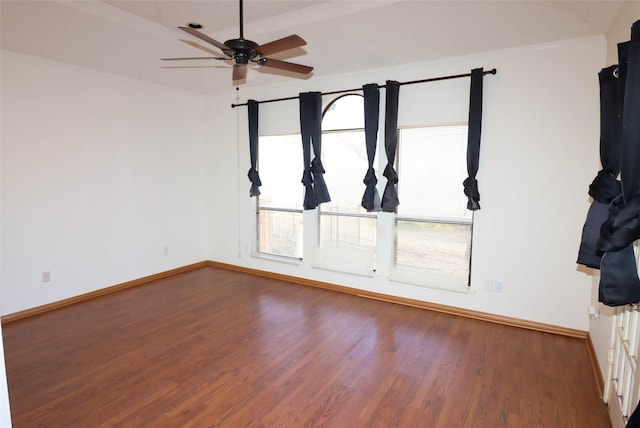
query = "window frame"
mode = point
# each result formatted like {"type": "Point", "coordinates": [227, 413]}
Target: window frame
{"type": "Point", "coordinates": [410, 274]}
{"type": "Point", "coordinates": [319, 261]}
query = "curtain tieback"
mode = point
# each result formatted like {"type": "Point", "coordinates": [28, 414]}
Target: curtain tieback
{"type": "Point", "coordinates": [370, 178]}
{"type": "Point", "coordinates": [622, 227]}
{"type": "Point", "coordinates": [391, 174]}
{"type": "Point", "coordinates": [471, 191]}
{"type": "Point", "coordinates": [307, 178]}
{"type": "Point", "coordinates": [255, 182]}
{"type": "Point", "coordinates": [316, 166]}
{"type": "Point", "coordinates": [605, 188]}
{"type": "Point", "coordinates": [254, 177]}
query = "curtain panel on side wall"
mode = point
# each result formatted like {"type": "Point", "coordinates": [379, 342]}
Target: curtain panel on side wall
{"type": "Point", "coordinates": [371, 198]}
{"type": "Point", "coordinates": [390, 200]}
{"type": "Point", "coordinates": [254, 177]}
{"type": "Point", "coordinates": [473, 139]}
{"type": "Point", "coordinates": [605, 186]}
{"type": "Point", "coordinates": [619, 282]}
{"type": "Point", "coordinates": [316, 191]}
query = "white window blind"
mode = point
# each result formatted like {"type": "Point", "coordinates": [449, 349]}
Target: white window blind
{"type": "Point", "coordinates": [433, 227]}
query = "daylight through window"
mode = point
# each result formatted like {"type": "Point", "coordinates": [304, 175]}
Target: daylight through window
{"type": "Point", "coordinates": [279, 206]}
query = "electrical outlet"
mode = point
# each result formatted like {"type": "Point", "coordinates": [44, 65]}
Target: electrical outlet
{"type": "Point", "coordinates": [489, 285]}
{"type": "Point", "coordinates": [46, 276]}
{"type": "Point", "coordinates": [165, 250]}
{"type": "Point", "coordinates": [499, 286]}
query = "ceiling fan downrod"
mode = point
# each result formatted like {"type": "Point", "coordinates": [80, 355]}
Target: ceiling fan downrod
{"type": "Point", "coordinates": [241, 50]}
{"type": "Point", "coordinates": [241, 22]}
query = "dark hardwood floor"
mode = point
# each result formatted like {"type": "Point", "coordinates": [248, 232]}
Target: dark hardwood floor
{"type": "Point", "coordinates": [211, 347]}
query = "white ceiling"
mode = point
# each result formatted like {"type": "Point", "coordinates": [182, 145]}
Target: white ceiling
{"type": "Point", "coordinates": [129, 37]}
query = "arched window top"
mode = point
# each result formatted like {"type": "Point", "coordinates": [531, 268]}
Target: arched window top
{"type": "Point", "coordinates": [344, 112]}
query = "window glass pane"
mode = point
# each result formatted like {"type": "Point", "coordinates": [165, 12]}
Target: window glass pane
{"type": "Point", "coordinates": [279, 217]}
{"type": "Point", "coordinates": [344, 157]}
{"type": "Point", "coordinates": [345, 112]}
{"type": "Point", "coordinates": [280, 233]}
{"type": "Point", "coordinates": [347, 231]}
{"type": "Point", "coordinates": [441, 247]}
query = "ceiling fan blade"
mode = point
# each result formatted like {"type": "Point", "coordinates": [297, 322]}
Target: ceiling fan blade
{"type": "Point", "coordinates": [204, 37]}
{"type": "Point", "coordinates": [280, 45]}
{"type": "Point", "coordinates": [239, 72]}
{"type": "Point", "coordinates": [285, 65]}
{"type": "Point", "coordinates": [193, 57]}
{"type": "Point", "coordinates": [200, 47]}
{"type": "Point", "coordinates": [193, 66]}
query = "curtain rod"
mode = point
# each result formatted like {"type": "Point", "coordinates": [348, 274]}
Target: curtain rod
{"type": "Point", "coordinates": [433, 79]}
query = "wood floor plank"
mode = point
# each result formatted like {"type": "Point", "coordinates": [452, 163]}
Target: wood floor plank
{"type": "Point", "coordinates": [212, 347]}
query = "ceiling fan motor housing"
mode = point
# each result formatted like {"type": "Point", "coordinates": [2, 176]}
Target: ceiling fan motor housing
{"type": "Point", "coordinates": [242, 50]}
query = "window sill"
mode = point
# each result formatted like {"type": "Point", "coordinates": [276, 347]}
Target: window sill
{"type": "Point", "coordinates": [371, 274]}
{"type": "Point", "coordinates": [279, 259]}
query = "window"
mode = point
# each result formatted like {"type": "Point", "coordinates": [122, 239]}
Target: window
{"type": "Point", "coordinates": [427, 242]}
{"type": "Point", "coordinates": [433, 227]}
{"type": "Point", "coordinates": [279, 206]}
{"type": "Point", "coordinates": [347, 233]}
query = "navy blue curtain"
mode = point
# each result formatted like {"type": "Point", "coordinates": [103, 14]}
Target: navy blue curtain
{"type": "Point", "coordinates": [371, 199]}
{"type": "Point", "coordinates": [634, 419]}
{"type": "Point", "coordinates": [316, 191]}
{"type": "Point", "coordinates": [631, 121]}
{"type": "Point", "coordinates": [254, 177]}
{"type": "Point", "coordinates": [605, 186]}
{"type": "Point", "coordinates": [390, 200]}
{"type": "Point", "coordinates": [473, 139]}
{"type": "Point", "coordinates": [619, 282]}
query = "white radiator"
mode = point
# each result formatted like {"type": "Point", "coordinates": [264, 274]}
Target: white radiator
{"type": "Point", "coordinates": [623, 385]}
{"type": "Point", "coordinates": [622, 389]}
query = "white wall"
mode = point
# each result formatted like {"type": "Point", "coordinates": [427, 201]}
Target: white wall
{"type": "Point", "coordinates": [99, 175]}
{"type": "Point", "coordinates": [539, 153]}
{"type": "Point", "coordinates": [600, 329]}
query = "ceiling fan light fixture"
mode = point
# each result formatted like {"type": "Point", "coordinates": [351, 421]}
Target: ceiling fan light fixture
{"type": "Point", "coordinates": [242, 58]}
{"type": "Point", "coordinates": [194, 25]}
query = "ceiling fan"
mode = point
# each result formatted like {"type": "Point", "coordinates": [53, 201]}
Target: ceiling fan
{"type": "Point", "coordinates": [243, 51]}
